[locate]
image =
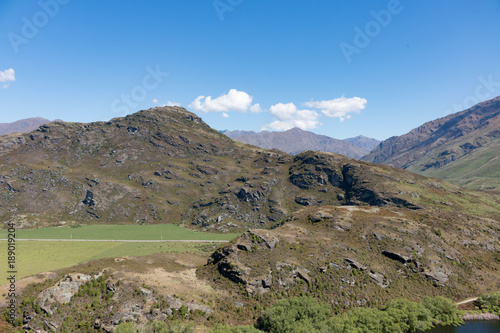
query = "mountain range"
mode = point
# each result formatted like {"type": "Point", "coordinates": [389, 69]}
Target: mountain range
{"type": "Point", "coordinates": [462, 148]}
{"type": "Point", "coordinates": [23, 125]}
{"type": "Point", "coordinates": [296, 140]}
{"type": "Point", "coordinates": [345, 231]}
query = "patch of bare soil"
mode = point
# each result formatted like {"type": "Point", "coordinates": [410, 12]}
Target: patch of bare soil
{"type": "Point", "coordinates": [23, 283]}
{"type": "Point", "coordinates": [167, 273]}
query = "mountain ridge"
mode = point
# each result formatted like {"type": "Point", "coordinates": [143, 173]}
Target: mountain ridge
{"type": "Point", "coordinates": [449, 141]}
{"type": "Point", "coordinates": [295, 140]}
{"type": "Point", "coordinates": [23, 125]}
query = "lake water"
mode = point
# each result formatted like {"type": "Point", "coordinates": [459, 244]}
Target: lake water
{"type": "Point", "coordinates": [484, 326]}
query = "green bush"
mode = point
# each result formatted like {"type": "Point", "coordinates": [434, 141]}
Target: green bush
{"type": "Point", "coordinates": [410, 315]}
{"type": "Point", "coordinates": [364, 320]}
{"type": "Point", "coordinates": [490, 303]}
{"type": "Point", "coordinates": [298, 314]}
{"type": "Point", "coordinates": [125, 328]}
{"type": "Point", "coordinates": [443, 310]}
{"type": "Point", "coordinates": [236, 329]}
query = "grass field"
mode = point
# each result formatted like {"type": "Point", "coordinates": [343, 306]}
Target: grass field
{"type": "Point", "coordinates": [119, 232]}
{"type": "Point", "coordinates": [34, 257]}
{"type": "Point", "coordinates": [38, 256]}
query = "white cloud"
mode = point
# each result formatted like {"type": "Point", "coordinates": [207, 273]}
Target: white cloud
{"type": "Point", "coordinates": [155, 101]}
{"type": "Point", "coordinates": [7, 75]}
{"type": "Point", "coordinates": [234, 100]}
{"type": "Point", "coordinates": [288, 116]}
{"type": "Point", "coordinates": [225, 115]}
{"type": "Point", "coordinates": [339, 107]}
{"type": "Point", "coordinates": [170, 103]}
{"type": "Point", "coordinates": [256, 108]}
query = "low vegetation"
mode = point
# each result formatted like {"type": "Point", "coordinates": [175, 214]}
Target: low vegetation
{"type": "Point", "coordinates": [305, 314]}
{"type": "Point", "coordinates": [490, 303]}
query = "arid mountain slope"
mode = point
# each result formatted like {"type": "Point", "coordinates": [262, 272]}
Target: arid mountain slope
{"type": "Point", "coordinates": [23, 125]}
{"type": "Point", "coordinates": [296, 140]}
{"type": "Point", "coordinates": [461, 147]}
{"type": "Point", "coordinates": [166, 165]}
{"type": "Point", "coordinates": [352, 256]}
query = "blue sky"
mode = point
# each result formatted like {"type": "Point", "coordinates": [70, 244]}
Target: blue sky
{"type": "Point", "coordinates": [339, 68]}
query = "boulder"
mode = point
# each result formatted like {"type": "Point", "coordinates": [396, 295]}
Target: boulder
{"type": "Point", "coordinates": [62, 292]}
{"type": "Point", "coordinates": [355, 264]}
{"type": "Point", "coordinates": [319, 216]}
{"type": "Point", "coordinates": [396, 256]}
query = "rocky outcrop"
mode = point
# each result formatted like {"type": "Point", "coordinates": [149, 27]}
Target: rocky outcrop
{"type": "Point", "coordinates": [437, 275]}
{"type": "Point", "coordinates": [396, 256]}
{"type": "Point", "coordinates": [355, 264]}
{"type": "Point", "coordinates": [62, 292]}
{"type": "Point", "coordinates": [231, 267]}
{"type": "Point", "coordinates": [380, 279]}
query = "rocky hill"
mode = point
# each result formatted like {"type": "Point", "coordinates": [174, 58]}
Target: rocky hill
{"type": "Point", "coordinates": [166, 164]}
{"type": "Point", "coordinates": [296, 140]}
{"type": "Point", "coordinates": [348, 232]}
{"type": "Point", "coordinates": [461, 147]}
{"type": "Point", "coordinates": [23, 125]}
{"type": "Point", "coordinates": [352, 256]}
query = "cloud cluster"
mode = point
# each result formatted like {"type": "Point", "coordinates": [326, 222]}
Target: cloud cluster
{"type": "Point", "coordinates": [286, 115]}
{"type": "Point", "coordinates": [339, 107]}
{"type": "Point", "coordinates": [234, 100]}
{"type": "Point", "coordinates": [7, 75]}
{"type": "Point", "coordinates": [289, 116]}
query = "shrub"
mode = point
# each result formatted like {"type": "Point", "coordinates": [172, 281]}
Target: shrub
{"type": "Point", "coordinates": [236, 329]}
{"type": "Point", "coordinates": [490, 303]}
{"type": "Point", "coordinates": [444, 310]}
{"type": "Point", "coordinates": [298, 314]}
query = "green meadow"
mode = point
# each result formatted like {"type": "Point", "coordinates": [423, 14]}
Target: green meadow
{"type": "Point", "coordinates": [118, 232]}
{"type": "Point", "coordinates": [34, 257]}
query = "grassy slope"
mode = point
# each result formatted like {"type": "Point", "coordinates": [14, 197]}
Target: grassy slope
{"type": "Point", "coordinates": [478, 170]}
{"type": "Point", "coordinates": [36, 257]}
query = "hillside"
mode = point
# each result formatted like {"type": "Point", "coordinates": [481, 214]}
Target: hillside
{"type": "Point", "coordinates": [461, 147]}
{"type": "Point", "coordinates": [352, 256]}
{"type": "Point", "coordinates": [23, 125]}
{"type": "Point", "coordinates": [348, 232]}
{"type": "Point", "coordinates": [166, 164]}
{"type": "Point", "coordinates": [296, 140]}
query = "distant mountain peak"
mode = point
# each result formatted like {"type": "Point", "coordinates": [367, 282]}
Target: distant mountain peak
{"type": "Point", "coordinates": [23, 125]}
{"type": "Point", "coordinates": [296, 140]}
